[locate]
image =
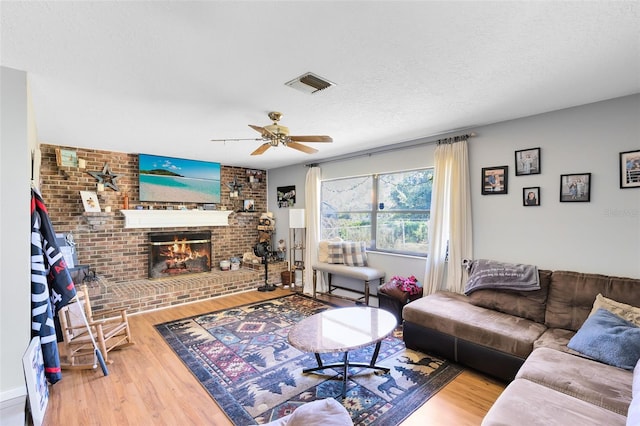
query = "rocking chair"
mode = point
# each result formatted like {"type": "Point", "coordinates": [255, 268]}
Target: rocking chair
{"type": "Point", "coordinates": [77, 348]}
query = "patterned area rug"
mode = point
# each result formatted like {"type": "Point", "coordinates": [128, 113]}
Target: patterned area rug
{"type": "Point", "coordinates": [243, 358]}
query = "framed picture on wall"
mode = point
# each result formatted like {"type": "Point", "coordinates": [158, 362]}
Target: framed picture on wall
{"type": "Point", "coordinates": [630, 169]}
{"type": "Point", "coordinates": [248, 206]}
{"type": "Point", "coordinates": [528, 162]}
{"type": "Point", "coordinates": [66, 157]}
{"type": "Point", "coordinates": [531, 196]}
{"type": "Point", "coordinates": [286, 196]}
{"type": "Point", "coordinates": [494, 180]}
{"type": "Point", "coordinates": [90, 201]}
{"type": "Point", "coordinates": [575, 187]}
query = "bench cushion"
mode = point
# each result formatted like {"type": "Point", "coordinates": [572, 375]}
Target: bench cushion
{"type": "Point", "coordinates": [365, 273]}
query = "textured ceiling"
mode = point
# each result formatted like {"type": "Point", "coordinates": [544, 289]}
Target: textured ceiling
{"type": "Point", "coordinates": [166, 77]}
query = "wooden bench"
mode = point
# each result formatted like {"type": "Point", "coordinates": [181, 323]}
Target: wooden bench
{"type": "Point", "coordinates": [365, 273]}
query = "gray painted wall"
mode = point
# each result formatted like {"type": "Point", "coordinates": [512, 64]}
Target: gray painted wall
{"type": "Point", "coordinates": [15, 286]}
{"type": "Point", "coordinates": [602, 236]}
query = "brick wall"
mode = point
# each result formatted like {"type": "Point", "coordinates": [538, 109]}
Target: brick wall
{"type": "Point", "coordinates": [118, 254]}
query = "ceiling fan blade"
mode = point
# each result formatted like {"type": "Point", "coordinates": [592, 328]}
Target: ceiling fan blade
{"type": "Point", "coordinates": [312, 138]}
{"type": "Point", "coordinates": [261, 149]}
{"type": "Point", "coordinates": [303, 148]}
{"type": "Point", "coordinates": [264, 132]}
{"type": "Point", "coordinates": [235, 140]}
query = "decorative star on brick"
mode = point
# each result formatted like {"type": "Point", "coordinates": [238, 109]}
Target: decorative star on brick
{"type": "Point", "coordinates": [235, 186]}
{"type": "Point", "coordinates": [107, 177]}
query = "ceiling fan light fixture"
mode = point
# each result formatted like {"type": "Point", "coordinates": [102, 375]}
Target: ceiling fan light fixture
{"type": "Point", "coordinates": [310, 83]}
{"type": "Point", "coordinates": [277, 129]}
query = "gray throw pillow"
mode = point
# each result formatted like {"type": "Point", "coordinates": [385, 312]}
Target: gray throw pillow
{"type": "Point", "coordinates": [335, 253]}
{"type": "Point", "coordinates": [354, 253]}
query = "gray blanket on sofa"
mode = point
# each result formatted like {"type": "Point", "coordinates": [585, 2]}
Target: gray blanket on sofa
{"type": "Point", "coordinates": [485, 274]}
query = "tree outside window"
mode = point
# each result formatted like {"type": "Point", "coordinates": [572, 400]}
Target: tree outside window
{"type": "Point", "coordinates": [388, 211]}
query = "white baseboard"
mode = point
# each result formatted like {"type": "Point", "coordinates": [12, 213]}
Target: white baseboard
{"type": "Point", "coordinates": [12, 411]}
{"type": "Point", "coordinates": [13, 393]}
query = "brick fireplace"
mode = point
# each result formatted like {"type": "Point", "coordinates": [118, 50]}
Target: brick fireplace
{"type": "Point", "coordinates": [179, 253]}
{"type": "Point", "coordinates": [119, 254]}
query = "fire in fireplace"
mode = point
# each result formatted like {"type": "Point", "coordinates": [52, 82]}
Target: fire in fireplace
{"type": "Point", "coordinates": [179, 253]}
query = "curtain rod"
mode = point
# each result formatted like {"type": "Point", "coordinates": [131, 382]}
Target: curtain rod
{"type": "Point", "coordinates": [396, 147]}
{"type": "Point", "coordinates": [455, 138]}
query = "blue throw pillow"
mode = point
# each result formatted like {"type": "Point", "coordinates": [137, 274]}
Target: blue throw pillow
{"type": "Point", "coordinates": [607, 338]}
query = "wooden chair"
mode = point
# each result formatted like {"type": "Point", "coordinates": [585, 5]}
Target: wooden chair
{"type": "Point", "coordinates": [110, 333]}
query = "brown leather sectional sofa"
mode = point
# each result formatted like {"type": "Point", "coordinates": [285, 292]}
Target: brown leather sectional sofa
{"type": "Point", "coordinates": [522, 337]}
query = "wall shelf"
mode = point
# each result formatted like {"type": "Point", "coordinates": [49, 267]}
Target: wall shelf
{"type": "Point", "coordinates": [175, 218]}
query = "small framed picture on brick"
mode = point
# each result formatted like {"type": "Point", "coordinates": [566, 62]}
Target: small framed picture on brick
{"type": "Point", "coordinates": [248, 206]}
{"type": "Point", "coordinates": [90, 201]}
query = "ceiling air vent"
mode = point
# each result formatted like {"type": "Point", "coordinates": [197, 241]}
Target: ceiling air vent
{"type": "Point", "coordinates": [309, 83]}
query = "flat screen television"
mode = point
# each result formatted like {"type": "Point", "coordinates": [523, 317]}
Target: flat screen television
{"type": "Point", "coordinates": [178, 180]}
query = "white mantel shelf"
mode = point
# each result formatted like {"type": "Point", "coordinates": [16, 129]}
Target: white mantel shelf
{"type": "Point", "coordinates": [175, 218]}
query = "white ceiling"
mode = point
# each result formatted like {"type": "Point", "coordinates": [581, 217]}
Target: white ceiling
{"type": "Point", "coordinates": [166, 77]}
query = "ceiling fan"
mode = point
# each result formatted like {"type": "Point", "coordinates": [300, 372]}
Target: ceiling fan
{"type": "Point", "coordinates": [276, 134]}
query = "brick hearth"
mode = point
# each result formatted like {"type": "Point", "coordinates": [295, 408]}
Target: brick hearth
{"type": "Point", "coordinates": [143, 295]}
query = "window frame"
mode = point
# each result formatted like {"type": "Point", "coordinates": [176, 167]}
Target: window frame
{"type": "Point", "coordinates": [375, 211]}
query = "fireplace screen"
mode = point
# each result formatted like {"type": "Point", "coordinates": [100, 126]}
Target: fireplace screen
{"type": "Point", "coordinates": [178, 253]}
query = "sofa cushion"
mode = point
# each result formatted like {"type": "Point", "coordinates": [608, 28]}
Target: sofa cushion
{"type": "Point", "coordinates": [608, 338]}
{"type": "Point", "coordinates": [335, 252]}
{"type": "Point", "coordinates": [571, 296]}
{"type": "Point", "coordinates": [451, 313]}
{"type": "Point", "coordinates": [526, 304]}
{"type": "Point", "coordinates": [556, 338]}
{"type": "Point", "coordinates": [628, 312]}
{"type": "Point", "coordinates": [599, 384]}
{"type": "Point", "coordinates": [524, 402]}
{"type": "Point", "coordinates": [354, 253]}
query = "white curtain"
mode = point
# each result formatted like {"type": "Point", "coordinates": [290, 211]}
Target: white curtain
{"type": "Point", "coordinates": [312, 218]}
{"type": "Point", "coordinates": [450, 226]}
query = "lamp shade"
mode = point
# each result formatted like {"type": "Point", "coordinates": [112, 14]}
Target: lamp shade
{"type": "Point", "coordinates": [296, 218]}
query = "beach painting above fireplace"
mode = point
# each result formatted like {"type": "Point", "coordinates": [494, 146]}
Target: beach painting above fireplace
{"type": "Point", "coordinates": [170, 179]}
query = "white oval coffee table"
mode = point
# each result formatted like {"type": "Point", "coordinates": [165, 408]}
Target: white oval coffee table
{"type": "Point", "coordinates": [343, 330]}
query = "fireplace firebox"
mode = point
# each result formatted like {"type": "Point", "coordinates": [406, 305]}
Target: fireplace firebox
{"type": "Point", "coordinates": [179, 253]}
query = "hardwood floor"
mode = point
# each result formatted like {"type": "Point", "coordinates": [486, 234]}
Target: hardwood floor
{"type": "Point", "coordinates": [149, 385]}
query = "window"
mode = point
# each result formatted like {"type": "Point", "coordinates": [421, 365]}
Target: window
{"type": "Point", "coordinates": [388, 211]}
